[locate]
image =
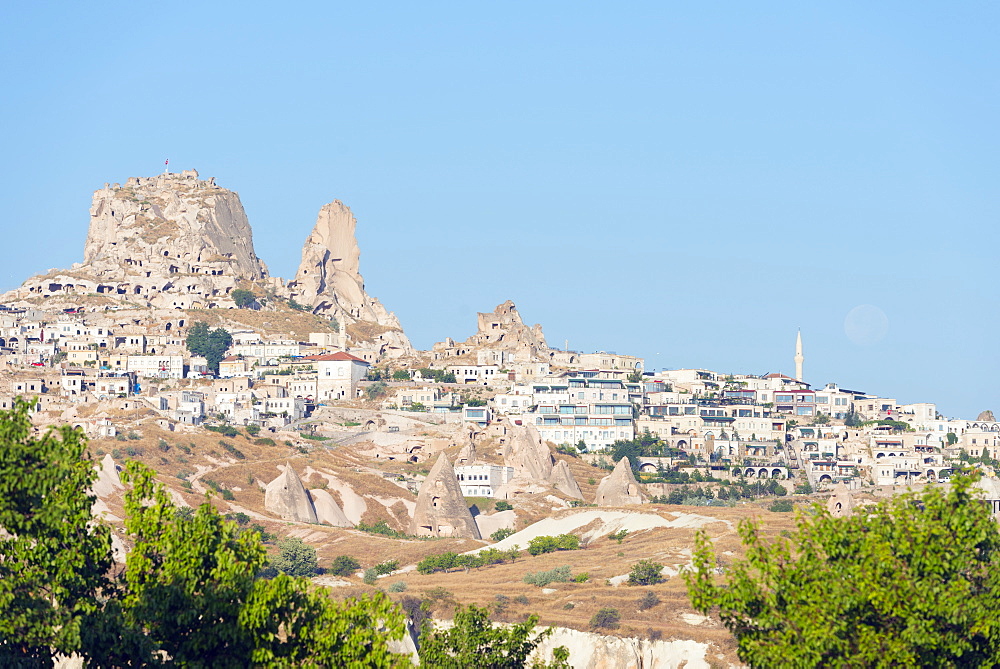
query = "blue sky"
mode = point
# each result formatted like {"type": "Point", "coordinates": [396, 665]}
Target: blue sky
{"type": "Point", "coordinates": [685, 182]}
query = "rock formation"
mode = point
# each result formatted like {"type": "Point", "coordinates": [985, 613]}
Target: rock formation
{"type": "Point", "coordinates": [441, 510]}
{"type": "Point", "coordinates": [563, 481]}
{"type": "Point", "coordinates": [108, 481]}
{"type": "Point", "coordinates": [619, 488]}
{"type": "Point", "coordinates": [329, 280]}
{"type": "Point", "coordinates": [840, 504]}
{"type": "Point", "coordinates": [502, 332]}
{"type": "Point", "coordinates": [327, 509]}
{"type": "Point", "coordinates": [169, 241]}
{"type": "Point", "coordinates": [986, 416]}
{"type": "Point", "coordinates": [527, 454]}
{"type": "Point", "coordinates": [286, 497]}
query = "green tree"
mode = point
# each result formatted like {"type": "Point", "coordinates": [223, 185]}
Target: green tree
{"type": "Point", "coordinates": [645, 572]}
{"type": "Point", "coordinates": [344, 565]}
{"type": "Point", "coordinates": [54, 561]}
{"type": "Point", "coordinates": [473, 641]}
{"type": "Point", "coordinates": [243, 298]}
{"type": "Point", "coordinates": [295, 557]}
{"type": "Point", "coordinates": [190, 591]}
{"type": "Point", "coordinates": [912, 581]}
{"type": "Point", "coordinates": [212, 344]}
{"type": "Point", "coordinates": [400, 375]}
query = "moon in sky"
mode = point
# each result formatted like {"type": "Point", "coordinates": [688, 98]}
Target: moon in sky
{"type": "Point", "coordinates": [866, 324]}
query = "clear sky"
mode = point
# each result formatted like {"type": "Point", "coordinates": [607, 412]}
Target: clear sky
{"type": "Point", "coordinates": [688, 182]}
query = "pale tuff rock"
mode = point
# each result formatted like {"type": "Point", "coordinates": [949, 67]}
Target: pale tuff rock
{"type": "Point", "coordinates": [534, 465]}
{"type": "Point", "coordinates": [588, 650]}
{"type": "Point", "coordinates": [286, 497]}
{"type": "Point", "coordinates": [327, 510]}
{"type": "Point", "coordinates": [840, 504]}
{"type": "Point", "coordinates": [441, 510]}
{"type": "Point", "coordinates": [527, 454]}
{"type": "Point", "coordinates": [986, 416]}
{"type": "Point", "coordinates": [169, 241]}
{"type": "Point", "coordinates": [488, 524]}
{"type": "Point", "coordinates": [503, 332]}
{"type": "Point", "coordinates": [563, 481]}
{"type": "Point", "coordinates": [329, 280]}
{"type": "Point", "coordinates": [619, 488]}
{"type": "Point", "coordinates": [108, 481]}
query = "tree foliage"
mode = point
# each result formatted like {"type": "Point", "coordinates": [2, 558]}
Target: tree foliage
{"type": "Point", "coordinates": [53, 563]}
{"type": "Point", "coordinates": [243, 297]}
{"type": "Point", "coordinates": [912, 581]}
{"type": "Point", "coordinates": [212, 344]}
{"type": "Point", "coordinates": [188, 593]}
{"type": "Point", "coordinates": [547, 544]}
{"type": "Point", "coordinates": [473, 641]}
{"type": "Point", "coordinates": [295, 557]}
{"type": "Point", "coordinates": [645, 572]}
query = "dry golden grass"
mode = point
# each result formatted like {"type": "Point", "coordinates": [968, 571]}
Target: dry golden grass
{"type": "Point", "coordinates": [278, 318]}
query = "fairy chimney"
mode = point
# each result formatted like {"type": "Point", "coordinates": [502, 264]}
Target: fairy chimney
{"type": "Point", "coordinates": [441, 510]}
{"type": "Point", "coordinates": [563, 481]}
{"type": "Point", "coordinates": [619, 488]}
{"type": "Point", "coordinates": [285, 496]}
{"type": "Point", "coordinates": [840, 504]}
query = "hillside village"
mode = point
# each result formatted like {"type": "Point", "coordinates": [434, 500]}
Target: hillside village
{"type": "Point", "coordinates": [320, 420]}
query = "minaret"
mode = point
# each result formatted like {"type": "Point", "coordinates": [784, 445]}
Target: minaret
{"type": "Point", "coordinates": [798, 356]}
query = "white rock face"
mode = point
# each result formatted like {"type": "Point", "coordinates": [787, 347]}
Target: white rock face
{"type": "Point", "coordinates": [619, 488]}
{"type": "Point", "coordinates": [286, 497]}
{"type": "Point", "coordinates": [596, 651]}
{"type": "Point", "coordinates": [108, 481]}
{"type": "Point", "coordinates": [329, 278]}
{"type": "Point", "coordinates": [327, 510]}
{"type": "Point", "coordinates": [172, 240]}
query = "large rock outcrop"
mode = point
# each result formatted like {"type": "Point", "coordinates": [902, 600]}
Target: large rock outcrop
{"type": "Point", "coordinates": [619, 488]}
{"type": "Point", "coordinates": [840, 504]}
{"type": "Point", "coordinates": [286, 497]}
{"type": "Point", "coordinates": [525, 451]}
{"type": "Point", "coordinates": [172, 241]}
{"type": "Point", "coordinates": [503, 335]}
{"type": "Point", "coordinates": [441, 509]}
{"type": "Point", "coordinates": [329, 278]}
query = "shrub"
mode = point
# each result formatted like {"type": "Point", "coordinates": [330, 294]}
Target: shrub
{"type": "Point", "coordinates": [645, 572]}
{"type": "Point", "coordinates": [134, 436]}
{"type": "Point", "coordinates": [370, 575]}
{"type": "Point", "coordinates": [546, 544]}
{"type": "Point", "coordinates": [501, 534]}
{"type": "Point", "coordinates": [782, 506]}
{"type": "Point", "coordinates": [581, 578]}
{"type": "Point", "coordinates": [252, 430]}
{"type": "Point", "coordinates": [264, 441]}
{"type": "Point", "coordinates": [503, 505]}
{"type": "Point", "coordinates": [232, 450]}
{"type": "Point", "coordinates": [618, 536]}
{"type": "Point", "coordinates": [648, 600]}
{"type": "Point", "coordinates": [163, 446]}
{"type": "Point", "coordinates": [543, 578]}
{"type": "Point", "coordinates": [398, 586]}
{"type": "Point", "coordinates": [522, 600]}
{"type": "Point", "coordinates": [386, 567]}
{"type": "Point", "coordinates": [607, 618]}
{"type": "Point", "coordinates": [344, 565]}
{"type": "Point", "coordinates": [296, 558]}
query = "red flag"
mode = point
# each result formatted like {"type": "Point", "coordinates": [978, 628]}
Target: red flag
{"type": "Point", "coordinates": [166, 162]}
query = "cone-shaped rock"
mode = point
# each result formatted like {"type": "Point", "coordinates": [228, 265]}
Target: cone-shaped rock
{"type": "Point", "coordinates": [285, 496]}
{"type": "Point", "coordinates": [329, 279]}
{"type": "Point", "coordinates": [327, 509]}
{"type": "Point", "coordinates": [986, 416]}
{"type": "Point", "coordinates": [563, 481]}
{"type": "Point", "coordinates": [527, 454]}
{"type": "Point", "coordinates": [619, 488]}
{"type": "Point", "coordinates": [840, 504]}
{"type": "Point", "coordinates": [108, 482]}
{"type": "Point", "coordinates": [441, 510]}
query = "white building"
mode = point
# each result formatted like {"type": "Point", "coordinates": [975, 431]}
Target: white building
{"type": "Point", "coordinates": [482, 480]}
{"type": "Point", "coordinates": [338, 375]}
